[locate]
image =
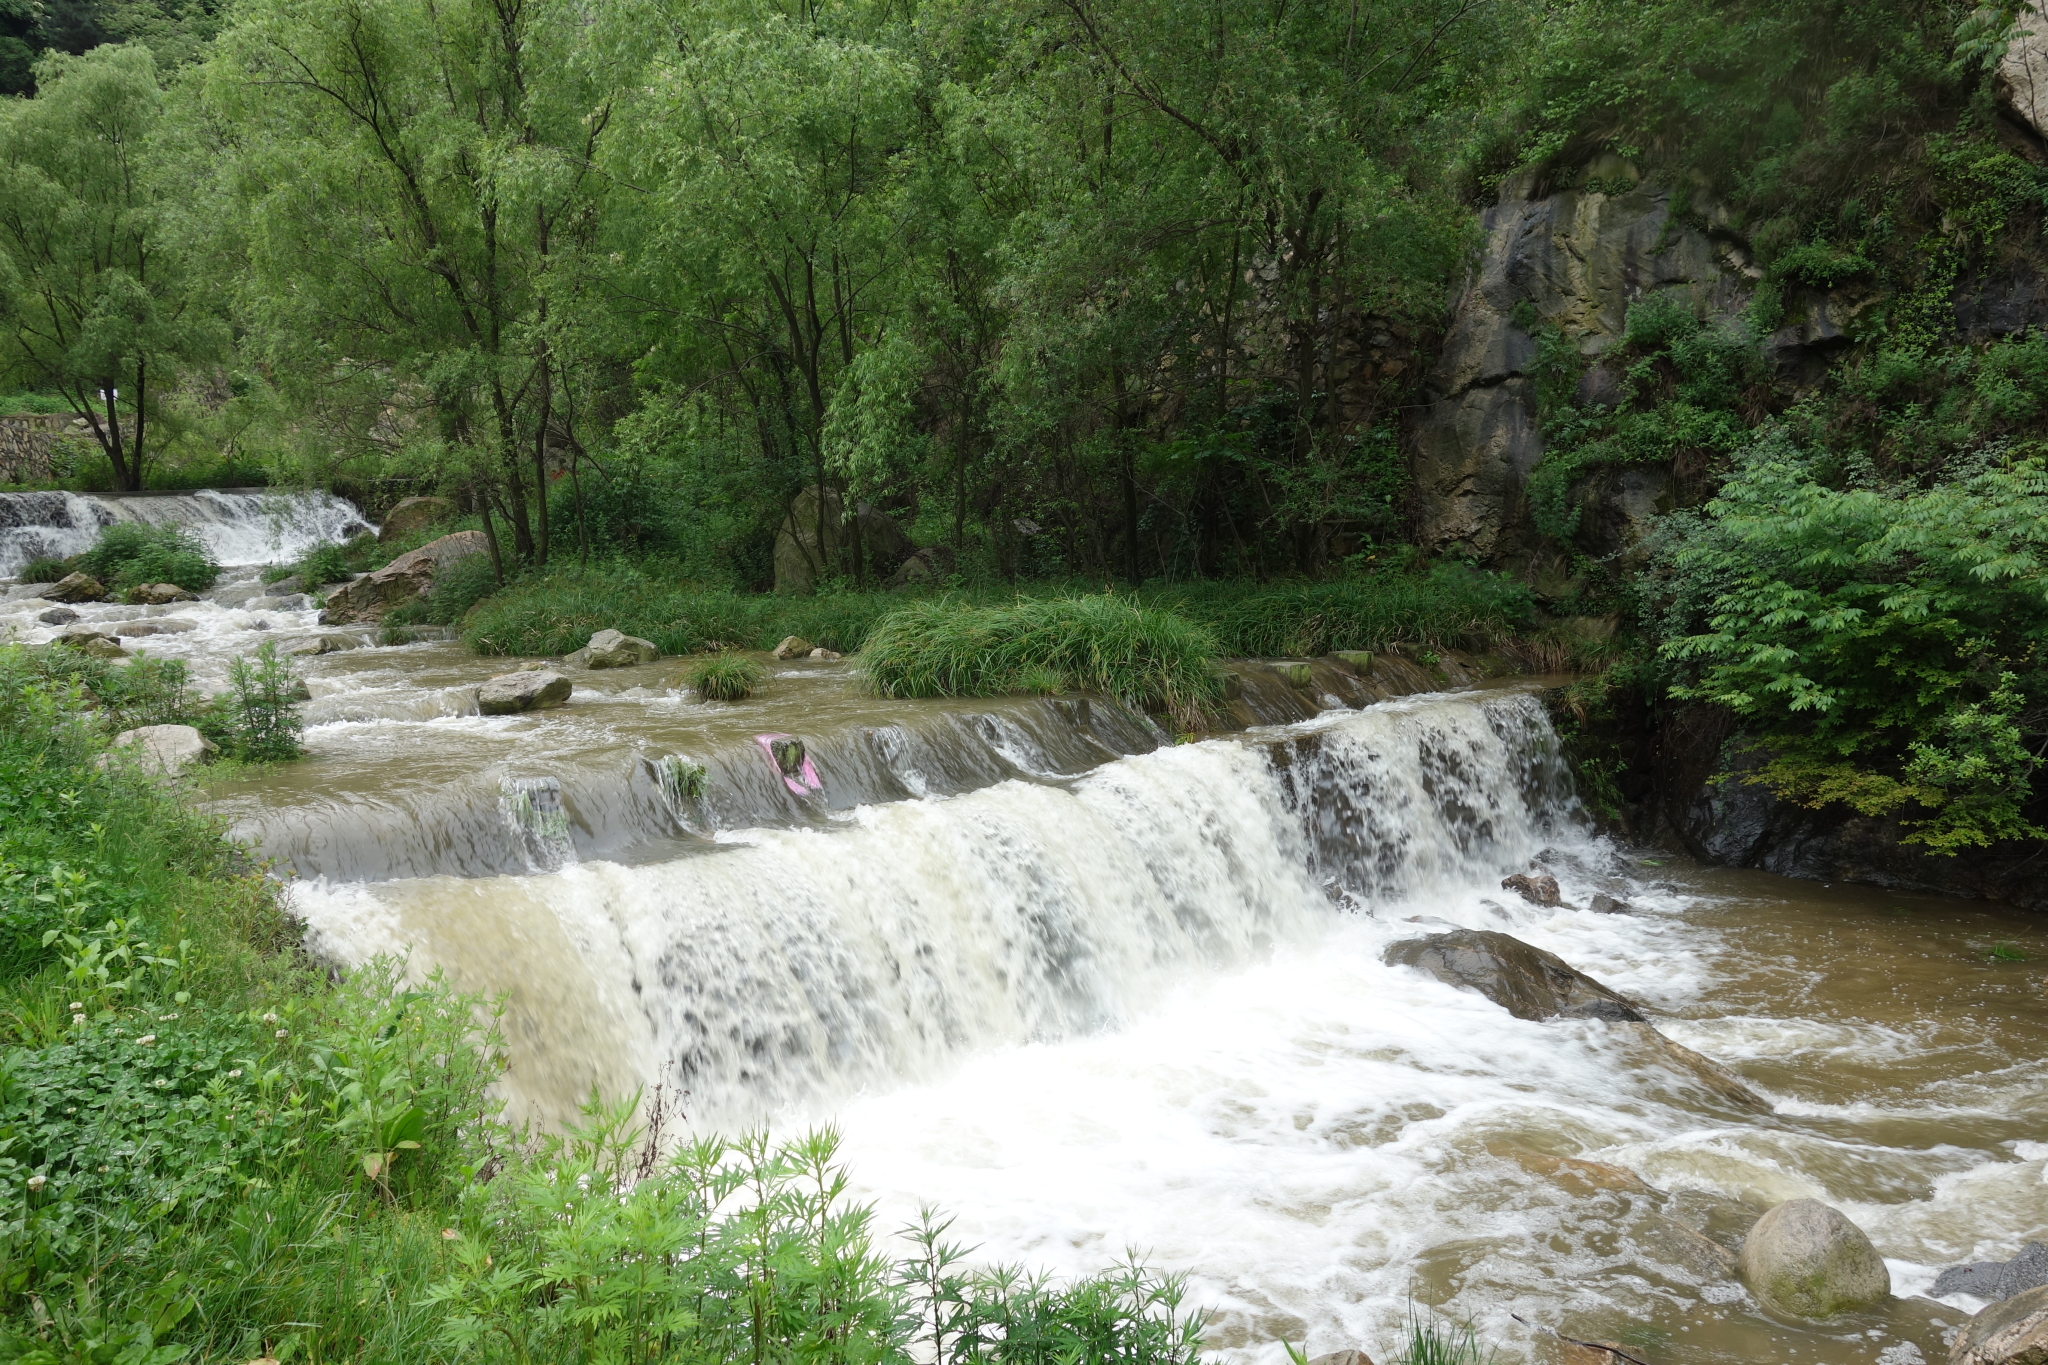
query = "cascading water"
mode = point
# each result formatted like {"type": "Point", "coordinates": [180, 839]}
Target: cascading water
{"type": "Point", "coordinates": [237, 526]}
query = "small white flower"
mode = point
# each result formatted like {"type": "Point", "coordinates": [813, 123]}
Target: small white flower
{"type": "Point", "coordinates": [78, 1021]}
{"type": "Point", "coordinates": [36, 1182]}
{"type": "Point", "coordinates": [72, 1110]}
{"type": "Point", "coordinates": [282, 1032]}
{"type": "Point", "coordinates": [161, 1018]}
{"type": "Point", "coordinates": [235, 1075]}
{"type": "Point", "coordinates": [270, 1018]}
{"type": "Point", "coordinates": [146, 1039]}
{"type": "Point", "coordinates": [77, 1005]}
{"type": "Point", "coordinates": [161, 1082]}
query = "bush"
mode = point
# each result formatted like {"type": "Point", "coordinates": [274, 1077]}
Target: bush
{"type": "Point", "coordinates": [1449, 605]}
{"type": "Point", "coordinates": [1146, 658]}
{"type": "Point", "coordinates": [45, 570]}
{"type": "Point", "coordinates": [128, 554]}
{"type": "Point", "coordinates": [263, 720]}
{"type": "Point", "coordinates": [725, 677]}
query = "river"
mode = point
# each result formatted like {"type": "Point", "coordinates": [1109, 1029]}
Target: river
{"type": "Point", "coordinates": [1090, 992]}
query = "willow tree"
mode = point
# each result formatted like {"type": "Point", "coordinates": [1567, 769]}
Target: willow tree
{"type": "Point", "coordinates": [417, 190]}
{"type": "Point", "coordinates": [92, 304]}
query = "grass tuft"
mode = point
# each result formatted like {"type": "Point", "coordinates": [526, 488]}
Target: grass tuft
{"type": "Point", "coordinates": [1153, 660]}
{"type": "Point", "coordinates": [725, 677]}
{"type": "Point", "coordinates": [45, 570]}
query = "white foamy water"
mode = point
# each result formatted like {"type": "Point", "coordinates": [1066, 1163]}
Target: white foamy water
{"type": "Point", "coordinates": [237, 527]}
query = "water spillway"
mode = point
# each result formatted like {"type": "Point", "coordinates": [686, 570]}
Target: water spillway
{"type": "Point", "coordinates": [236, 525]}
{"type": "Point", "coordinates": [1090, 990]}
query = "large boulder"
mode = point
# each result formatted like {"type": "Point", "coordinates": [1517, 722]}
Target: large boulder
{"type": "Point", "coordinates": [612, 649]}
{"type": "Point", "coordinates": [409, 576]}
{"type": "Point", "coordinates": [2023, 70]}
{"type": "Point", "coordinates": [75, 587]}
{"type": "Point", "coordinates": [807, 544]}
{"type": "Point", "coordinates": [1997, 1279]}
{"type": "Point", "coordinates": [97, 643]}
{"type": "Point", "coordinates": [1537, 888]}
{"type": "Point", "coordinates": [57, 616]}
{"type": "Point", "coordinates": [167, 748]}
{"type": "Point", "coordinates": [1526, 981]}
{"type": "Point", "coordinates": [1805, 1260]}
{"type": "Point", "coordinates": [792, 647]}
{"type": "Point", "coordinates": [2014, 1332]}
{"type": "Point", "coordinates": [160, 594]}
{"type": "Point", "coordinates": [411, 515]}
{"type": "Point", "coordinates": [882, 542]}
{"type": "Point", "coordinates": [510, 693]}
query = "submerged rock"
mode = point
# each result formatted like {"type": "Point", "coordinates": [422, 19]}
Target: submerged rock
{"type": "Point", "coordinates": [613, 649]}
{"type": "Point", "coordinates": [161, 625]}
{"type": "Point", "coordinates": [2014, 1332]}
{"type": "Point", "coordinates": [1538, 888]}
{"type": "Point", "coordinates": [324, 643]}
{"type": "Point", "coordinates": [1997, 1279]}
{"type": "Point", "coordinates": [160, 594]}
{"type": "Point", "coordinates": [1806, 1260]}
{"type": "Point", "coordinates": [792, 647]}
{"type": "Point", "coordinates": [167, 748]}
{"type": "Point", "coordinates": [1604, 904]}
{"type": "Point", "coordinates": [1526, 981]}
{"type": "Point", "coordinates": [510, 693]}
{"type": "Point", "coordinates": [75, 587]}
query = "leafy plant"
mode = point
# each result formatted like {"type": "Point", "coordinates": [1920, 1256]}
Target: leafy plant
{"type": "Point", "coordinates": [130, 553]}
{"type": "Point", "coordinates": [45, 570]}
{"type": "Point", "coordinates": [725, 677]}
{"type": "Point", "coordinates": [2006, 952]}
{"type": "Point", "coordinates": [263, 718]}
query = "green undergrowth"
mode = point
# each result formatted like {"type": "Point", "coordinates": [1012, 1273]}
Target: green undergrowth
{"type": "Point", "coordinates": [210, 1151]}
{"type": "Point", "coordinates": [128, 554]}
{"type": "Point", "coordinates": [256, 719]}
{"type": "Point", "coordinates": [1151, 659]}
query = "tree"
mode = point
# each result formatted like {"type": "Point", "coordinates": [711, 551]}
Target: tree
{"type": "Point", "coordinates": [92, 305]}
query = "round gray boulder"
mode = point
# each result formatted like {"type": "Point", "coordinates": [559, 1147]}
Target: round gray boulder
{"type": "Point", "coordinates": [1805, 1260]}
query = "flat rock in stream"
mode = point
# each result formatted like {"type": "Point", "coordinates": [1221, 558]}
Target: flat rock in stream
{"type": "Point", "coordinates": [1530, 983]}
{"type": "Point", "coordinates": [510, 693]}
{"type": "Point", "coordinates": [2014, 1332]}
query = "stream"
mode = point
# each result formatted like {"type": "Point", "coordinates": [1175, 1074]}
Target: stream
{"type": "Point", "coordinates": [1091, 992]}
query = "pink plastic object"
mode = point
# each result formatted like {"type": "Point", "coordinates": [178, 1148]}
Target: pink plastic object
{"type": "Point", "coordinates": [804, 780]}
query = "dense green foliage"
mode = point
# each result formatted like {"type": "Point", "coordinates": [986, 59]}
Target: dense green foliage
{"type": "Point", "coordinates": [1153, 660]}
{"type": "Point", "coordinates": [256, 719]}
{"type": "Point", "coordinates": [131, 553]}
{"type": "Point", "coordinates": [725, 677]}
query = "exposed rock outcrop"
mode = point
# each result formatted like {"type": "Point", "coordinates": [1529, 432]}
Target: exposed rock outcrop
{"type": "Point", "coordinates": [1806, 1260]}
{"type": "Point", "coordinates": [2014, 1332]}
{"type": "Point", "coordinates": [413, 514]}
{"type": "Point", "coordinates": [409, 576]}
{"type": "Point", "coordinates": [932, 564]}
{"type": "Point", "coordinates": [792, 647]}
{"type": "Point", "coordinates": [76, 587]}
{"type": "Point", "coordinates": [510, 693]}
{"type": "Point", "coordinates": [802, 558]}
{"type": "Point", "coordinates": [1537, 888]}
{"type": "Point", "coordinates": [615, 649]}
{"type": "Point", "coordinates": [160, 594]}
{"type": "Point", "coordinates": [2023, 71]}
{"type": "Point", "coordinates": [167, 748]}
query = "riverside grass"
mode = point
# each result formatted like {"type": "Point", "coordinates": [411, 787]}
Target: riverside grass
{"type": "Point", "coordinates": [557, 612]}
{"type": "Point", "coordinates": [1152, 660]}
{"type": "Point", "coordinates": [210, 1152]}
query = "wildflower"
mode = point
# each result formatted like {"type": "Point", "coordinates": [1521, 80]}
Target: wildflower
{"type": "Point", "coordinates": [235, 1075]}
{"type": "Point", "coordinates": [77, 1005]}
{"type": "Point", "coordinates": [161, 1082]}
{"type": "Point", "coordinates": [270, 1018]}
{"type": "Point", "coordinates": [36, 1182]}
{"type": "Point", "coordinates": [145, 1040]}
{"type": "Point", "coordinates": [78, 1021]}
{"type": "Point", "coordinates": [281, 1033]}
{"type": "Point", "coordinates": [161, 1018]}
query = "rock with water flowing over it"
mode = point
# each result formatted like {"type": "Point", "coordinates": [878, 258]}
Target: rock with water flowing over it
{"type": "Point", "coordinates": [409, 576]}
{"type": "Point", "coordinates": [1353, 1356]}
{"type": "Point", "coordinates": [167, 748]}
{"type": "Point", "coordinates": [792, 647]}
{"type": "Point", "coordinates": [1997, 1279]}
{"type": "Point", "coordinates": [58, 616]}
{"type": "Point", "coordinates": [614, 649]}
{"type": "Point", "coordinates": [160, 595]}
{"type": "Point", "coordinates": [1537, 888]}
{"type": "Point", "coordinates": [75, 587]}
{"type": "Point", "coordinates": [823, 655]}
{"type": "Point", "coordinates": [2014, 1332]}
{"type": "Point", "coordinates": [327, 642]}
{"type": "Point", "coordinates": [510, 693]}
{"type": "Point", "coordinates": [1604, 904]}
{"type": "Point", "coordinates": [1805, 1260]}
{"type": "Point", "coordinates": [158, 625]}
{"type": "Point", "coordinates": [413, 514]}
{"type": "Point", "coordinates": [1526, 981]}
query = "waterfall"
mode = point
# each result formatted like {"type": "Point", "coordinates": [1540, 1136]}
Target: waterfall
{"type": "Point", "coordinates": [237, 526]}
{"type": "Point", "coordinates": [791, 968]}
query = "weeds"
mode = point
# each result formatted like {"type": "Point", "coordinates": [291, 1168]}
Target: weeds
{"type": "Point", "coordinates": [725, 677]}
{"type": "Point", "coordinates": [44, 570]}
{"type": "Point", "coordinates": [1150, 659]}
{"type": "Point", "coordinates": [127, 554]}
{"type": "Point", "coordinates": [264, 720]}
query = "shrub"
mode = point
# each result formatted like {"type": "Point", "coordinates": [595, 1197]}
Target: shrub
{"type": "Point", "coordinates": [44, 570]}
{"type": "Point", "coordinates": [263, 720]}
{"type": "Point", "coordinates": [725, 677]}
{"type": "Point", "coordinates": [1448, 605]}
{"type": "Point", "coordinates": [1151, 659]}
{"type": "Point", "coordinates": [128, 553]}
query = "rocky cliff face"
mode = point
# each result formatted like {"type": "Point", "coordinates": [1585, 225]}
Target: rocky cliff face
{"type": "Point", "coordinates": [1577, 259]}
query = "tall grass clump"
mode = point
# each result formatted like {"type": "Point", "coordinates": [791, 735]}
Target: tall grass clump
{"type": "Point", "coordinates": [1448, 605]}
{"type": "Point", "coordinates": [1146, 658]}
{"type": "Point", "coordinates": [127, 554]}
{"type": "Point", "coordinates": [725, 677]}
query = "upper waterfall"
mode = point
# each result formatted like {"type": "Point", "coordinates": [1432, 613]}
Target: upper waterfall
{"type": "Point", "coordinates": [236, 525]}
